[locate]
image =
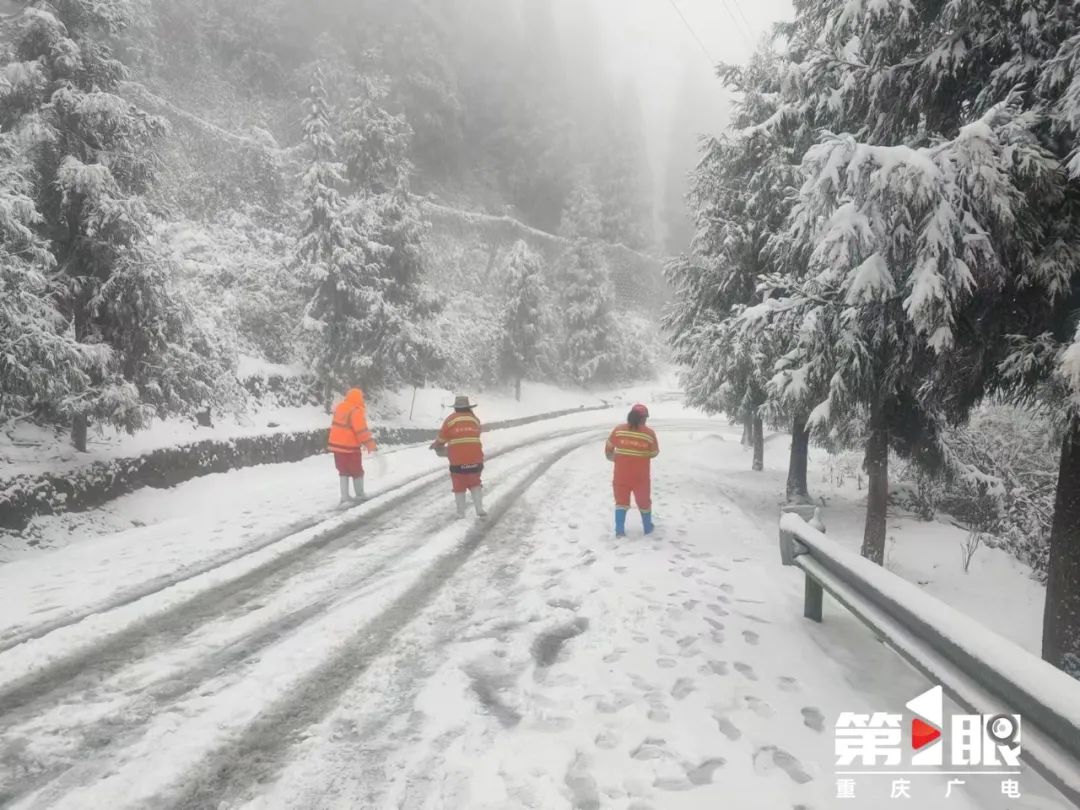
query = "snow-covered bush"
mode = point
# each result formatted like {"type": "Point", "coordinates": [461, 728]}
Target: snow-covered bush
{"type": "Point", "coordinates": [999, 481]}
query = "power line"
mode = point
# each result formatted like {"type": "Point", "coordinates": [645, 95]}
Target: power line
{"type": "Point", "coordinates": [749, 27]}
{"type": "Point", "coordinates": [693, 33]}
{"type": "Point", "coordinates": [735, 20]}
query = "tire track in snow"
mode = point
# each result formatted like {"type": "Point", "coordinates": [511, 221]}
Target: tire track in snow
{"type": "Point", "coordinates": [14, 638]}
{"type": "Point", "coordinates": [170, 685]}
{"type": "Point", "coordinates": [259, 753]}
{"type": "Point", "coordinates": [230, 600]}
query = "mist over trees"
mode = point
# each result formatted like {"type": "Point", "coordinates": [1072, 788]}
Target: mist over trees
{"type": "Point", "coordinates": [888, 236]}
{"type": "Point", "coordinates": [186, 182]}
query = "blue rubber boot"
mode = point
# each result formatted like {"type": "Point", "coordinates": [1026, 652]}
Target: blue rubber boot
{"type": "Point", "coordinates": [620, 523]}
{"type": "Point", "coordinates": [646, 521]}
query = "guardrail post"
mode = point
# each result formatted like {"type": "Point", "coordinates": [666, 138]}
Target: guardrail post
{"type": "Point", "coordinates": [812, 599]}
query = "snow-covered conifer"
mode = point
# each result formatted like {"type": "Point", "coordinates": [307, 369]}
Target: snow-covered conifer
{"type": "Point", "coordinates": [523, 320]}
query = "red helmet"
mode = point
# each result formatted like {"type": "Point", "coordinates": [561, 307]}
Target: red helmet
{"type": "Point", "coordinates": [640, 409]}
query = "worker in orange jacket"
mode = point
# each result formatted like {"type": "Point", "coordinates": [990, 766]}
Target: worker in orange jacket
{"type": "Point", "coordinates": [349, 434]}
{"type": "Point", "coordinates": [459, 441]}
{"type": "Point", "coordinates": [632, 446]}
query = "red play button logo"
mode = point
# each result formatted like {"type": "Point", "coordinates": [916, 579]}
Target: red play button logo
{"type": "Point", "coordinates": [922, 734]}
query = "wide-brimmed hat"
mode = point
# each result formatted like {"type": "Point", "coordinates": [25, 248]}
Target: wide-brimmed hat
{"type": "Point", "coordinates": [462, 401]}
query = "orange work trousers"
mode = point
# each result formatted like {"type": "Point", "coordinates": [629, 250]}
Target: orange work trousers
{"type": "Point", "coordinates": [640, 488]}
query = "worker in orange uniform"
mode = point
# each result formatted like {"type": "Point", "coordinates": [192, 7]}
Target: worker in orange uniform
{"type": "Point", "coordinates": [459, 441]}
{"type": "Point", "coordinates": [349, 434]}
{"type": "Point", "coordinates": [633, 446]}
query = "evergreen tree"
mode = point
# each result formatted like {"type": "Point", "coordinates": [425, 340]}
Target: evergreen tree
{"type": "Point", "coordinates": [93, 159]}
{"type": "Point", "coordinates": [362, 254]}
{"type": "Point", "coordinates": [590, 348]}
{"type": "Point", "coordinates": [740, 194]}
{"type": "Point", "coordinates": [42, 366]}
{"type": "Point", "coordinates": [523, 319]}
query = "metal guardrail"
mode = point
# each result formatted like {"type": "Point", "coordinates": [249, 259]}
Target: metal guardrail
{"type": "Point", "coordinates": [983, 672]}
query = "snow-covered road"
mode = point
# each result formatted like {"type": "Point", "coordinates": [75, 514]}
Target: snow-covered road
{"type": "Point", "coordinates": [391, 657]}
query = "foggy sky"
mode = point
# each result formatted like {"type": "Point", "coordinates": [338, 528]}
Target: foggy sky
{"type": "Point", "coordinates": [646, 42]}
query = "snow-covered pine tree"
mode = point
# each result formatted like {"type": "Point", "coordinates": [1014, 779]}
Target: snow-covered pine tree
{"type": "Point", "coordinates": [42, 366]}
{"type": "Point", "coordinates": [362, 253]}
{"type": "Point", "coordinates": [586, 296]}
{"type": "Point", "coordinates": [93, 156]}
{"type": "Point", "coordinates": [328, 256]}
{"type": "Point", "coordinates": [590, 351]}
{"type": "Point", "coordinates": [739, 196]}
{"type": "Point", "coordinates": [523, 319]}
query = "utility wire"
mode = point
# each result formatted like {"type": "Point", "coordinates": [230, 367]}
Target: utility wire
{"type": "Point", "coordinates": [693, 33]}
{"type": "Point", "coordinates": [749, 27]}
{"type": "Point", "coordinates": [735, 22]}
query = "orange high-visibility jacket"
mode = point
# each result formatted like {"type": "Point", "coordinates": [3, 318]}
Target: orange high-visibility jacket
{"type": "Point", "coordinates": [460, 434]}
{"type": "Point", "coordinates": [632, 449]}
{"type": "Point", "coordinates": [349, 430]}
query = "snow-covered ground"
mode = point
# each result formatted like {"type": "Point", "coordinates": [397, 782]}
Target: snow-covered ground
{"type": "Point", "coordinates": [391, 657]}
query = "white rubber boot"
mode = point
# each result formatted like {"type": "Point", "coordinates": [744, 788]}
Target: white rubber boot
{"type": "Point", "coordinates": [459, 500]}
{"type": "Point", "coordinates": [358, 488]}
{"type": "Point", "coordinates": [478, 501]}
{"type": "Point", "coordinates": [344, 482]}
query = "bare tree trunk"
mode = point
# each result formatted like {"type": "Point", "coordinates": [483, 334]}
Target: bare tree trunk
{"type": "Point", "coordinates": [1061, 617]}
{"type": "Point", "coordinates": [877, 495]}
{"type": "Point", "coordinates": [79, 427]}
{"type": "Point", "coordinates": [759, 445]}
{"type": "Point", "coordinates": [797, 489]}
{"type": "Point", "coordinates": [517, 389]}
{"type": "Point", "coordinates": [747, 432]}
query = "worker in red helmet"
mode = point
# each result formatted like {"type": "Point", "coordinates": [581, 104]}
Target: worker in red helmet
{"type": "Point", "coordinates": [632, 446]}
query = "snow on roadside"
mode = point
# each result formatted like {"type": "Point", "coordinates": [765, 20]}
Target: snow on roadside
{"type": "Point", "coordinates": [564, 669]}
{"type": "Point", "coordinates": [999, 591]}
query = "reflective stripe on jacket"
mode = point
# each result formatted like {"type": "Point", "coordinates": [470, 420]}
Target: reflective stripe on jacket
{"type": "Point", "coordinates": [460, 434]}
{"type": "Point", "coordinates": [632, 449]}
{"type": "Point", "coordinates": [349, 430]}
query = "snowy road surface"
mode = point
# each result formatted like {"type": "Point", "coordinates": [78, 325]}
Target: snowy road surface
{"type": "Point", "coordinates": [392, 657]}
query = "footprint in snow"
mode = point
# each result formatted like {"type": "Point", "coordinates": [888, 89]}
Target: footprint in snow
{"type": "Point", "coordinates": [719, 611]}
{"type": "Point", "coordinates": [759, 706]}
{"type": "Point", "coordinates": [727, 587]}
{"type": "Point", "coordinates": [745, 670]}
{"type": "Point", "coordinates": [727, 728]}
{"type": "Point", "coordinates": [651, 748]}
{"type": "Point", "coordinates": [718, 667]}
{"type": "Point", "coordinates": [547, 646]}
{"type": "Point", "coordinates": [754, 618]}
{"type": "Point", "coordinates": [788, 684]}
{"type": "Point", "coordinates": [641, 639]}
{"type": "Point", "coordinates": [690, 604]}
{"type": "Point", "coordinates": [682, 688]}
{"type": "Point", "coordinates": [621, 569]}
{"type": "Point", "coordinates": [703, 773]}
{"type": "Point", "coordinates": [582, 785]}
{"type": "Point", "coordinates": [668, 633]}
{"type": "Point", "coordinates": [714, 624]}
{"type": "Point", "coordinates": [566, 604]}
{"type": "Point", "coordinates": [614, 656]}
{"type": "Point", "coordinates": [769, 755]}
{"type": "Point", "coordinates": [751, 637]}
{"type": "Point", "coordinates": [665, 663]}
{"type": "Point", "coordinates": [726, 600]}
{"type": "Point", "coordinates": [607, 739]}
{"type": "Point", "coordinates": [814, 719]}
